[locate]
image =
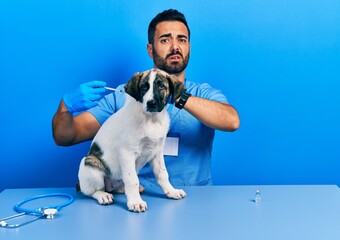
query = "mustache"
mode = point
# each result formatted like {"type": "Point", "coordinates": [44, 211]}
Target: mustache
{"type": "Point", "coordinates": [174, 53]}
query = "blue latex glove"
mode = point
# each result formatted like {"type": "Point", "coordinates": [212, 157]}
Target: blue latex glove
{"type": "Point", "coordinates": [85, 96]}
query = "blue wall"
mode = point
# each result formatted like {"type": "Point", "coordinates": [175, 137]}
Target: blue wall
{"type": "Point", "coordinates": [277, 61]}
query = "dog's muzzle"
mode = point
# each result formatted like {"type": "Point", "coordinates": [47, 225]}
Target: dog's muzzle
{"type": "Point", "coordinates": [153, 106]}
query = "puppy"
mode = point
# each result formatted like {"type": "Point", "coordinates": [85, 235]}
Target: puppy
{"type": "Point", "coordinates": [132, 137]}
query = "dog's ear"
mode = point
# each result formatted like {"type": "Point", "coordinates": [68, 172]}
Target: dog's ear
{"type": "Point", "coordinates": [132, 86]}
{"type": "Point", "coordinates": [176, 88]}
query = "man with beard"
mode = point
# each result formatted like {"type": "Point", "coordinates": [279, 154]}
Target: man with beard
{"type": "Point", "coordinates": [194, 118]}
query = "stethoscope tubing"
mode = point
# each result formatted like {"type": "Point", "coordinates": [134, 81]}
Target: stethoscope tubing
{"type": "Point", "coordinates": [20, 209]}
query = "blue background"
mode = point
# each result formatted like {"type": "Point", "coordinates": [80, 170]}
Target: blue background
{"type": "Point", "coordinates": [278, 62]}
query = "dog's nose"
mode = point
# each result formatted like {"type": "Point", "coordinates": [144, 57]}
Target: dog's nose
{"type": "Point", "coordinates": [151, 104]}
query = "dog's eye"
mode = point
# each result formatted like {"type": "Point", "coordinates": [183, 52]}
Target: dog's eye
{"type": "Point", "coordinates": [161, 86]}
{"type": "Point", "coordinates": [144, 86]}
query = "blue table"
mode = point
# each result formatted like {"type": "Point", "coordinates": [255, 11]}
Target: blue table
{"type": "Point", "coordinates": [305, 212]}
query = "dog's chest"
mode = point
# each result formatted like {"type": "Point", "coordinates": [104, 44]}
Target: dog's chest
{"type": "Point", "coordinates": [148, 144]}
{"type": "Point", "coordinates": [148, 149]}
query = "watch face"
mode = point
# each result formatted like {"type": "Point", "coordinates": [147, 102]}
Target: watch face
{"type": "Point", "coordinates": [182, 101]}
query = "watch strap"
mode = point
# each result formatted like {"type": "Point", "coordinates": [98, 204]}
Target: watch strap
{"type": "Point", "coordinates": [183, 100]}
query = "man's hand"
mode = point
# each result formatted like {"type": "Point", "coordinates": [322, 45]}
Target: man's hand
{"type": "Point", "coordinates": [85, 96]}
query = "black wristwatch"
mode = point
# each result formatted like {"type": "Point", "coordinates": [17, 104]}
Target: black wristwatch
{"type": "Point", "coordinates": [183, 100]}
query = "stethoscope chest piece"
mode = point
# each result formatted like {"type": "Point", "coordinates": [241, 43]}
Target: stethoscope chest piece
{"type": "Point", "coordinates": [49, 213]}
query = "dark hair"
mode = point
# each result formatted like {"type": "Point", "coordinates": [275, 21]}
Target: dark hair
{"type": "Point", "coordinates": [166, 15]}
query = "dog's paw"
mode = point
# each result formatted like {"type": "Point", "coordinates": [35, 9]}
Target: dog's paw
{"type": "Point", "coordinates": [103, 198]}
{"type": "Point", "coordinates": [137, 206]}
{"type": "Point", "coordinates": [176, 194]}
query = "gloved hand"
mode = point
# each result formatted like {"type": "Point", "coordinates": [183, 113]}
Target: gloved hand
{"type": "Point", "coordinates": [85, 96]}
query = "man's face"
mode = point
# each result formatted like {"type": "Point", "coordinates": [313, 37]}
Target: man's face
{"type": "Point", "coordinates": [171, 48]}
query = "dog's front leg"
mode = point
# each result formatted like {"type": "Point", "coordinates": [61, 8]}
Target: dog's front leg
{"type": "Point", "coordinates": [162, 176]}
{"type": "Point", "coordinates": [131, 183]}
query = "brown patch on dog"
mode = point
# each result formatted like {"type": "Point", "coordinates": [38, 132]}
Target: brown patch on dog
{"type": "Point", "coordinates": [94, 160]}
{"type": "Point", "coordinates": [177, 88]}
{"type": "Point", "coordinates": [132, 86]}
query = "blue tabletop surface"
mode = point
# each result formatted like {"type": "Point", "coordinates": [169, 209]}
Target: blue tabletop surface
{"type": "Point", "coordinates": [303, 212]}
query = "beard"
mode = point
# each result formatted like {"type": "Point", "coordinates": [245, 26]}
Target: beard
{"type": "Point", "coordinates": [173, 67]}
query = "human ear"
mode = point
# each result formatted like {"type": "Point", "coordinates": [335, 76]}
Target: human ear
{"type": "Point", "coordinates": [149, 49]}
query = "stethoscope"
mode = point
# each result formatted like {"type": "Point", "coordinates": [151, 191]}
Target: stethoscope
{"type": "Point", "coordinates": [42, 212]}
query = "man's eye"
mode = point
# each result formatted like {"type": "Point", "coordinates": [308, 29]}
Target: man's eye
{"type": "Point", "coordinates": [182, 40]}
{"type": "Point", "coordinates": [164, 40]}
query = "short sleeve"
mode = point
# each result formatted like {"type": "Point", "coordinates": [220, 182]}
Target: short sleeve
{"type": "Point", "coordinates": [108, 105]}
{"type": "Point", "coordinates": [204, 90]}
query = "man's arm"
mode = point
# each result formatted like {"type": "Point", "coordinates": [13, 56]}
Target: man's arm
{"type": "Point", "coordinates": [69, 130]}
{"type": "Point", "coordinates": [216, 115]}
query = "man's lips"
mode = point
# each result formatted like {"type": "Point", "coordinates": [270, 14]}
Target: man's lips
{"type": "Point", "coordinates": [175, 57]}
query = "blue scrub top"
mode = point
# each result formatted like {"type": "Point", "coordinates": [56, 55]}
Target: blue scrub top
{"type": "Point", "coordinates": [192, 166]}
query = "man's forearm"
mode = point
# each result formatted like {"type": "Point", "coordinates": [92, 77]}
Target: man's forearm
{"type": "Point", "coordinates": [63, 126]}
{"type": "Point", "coordinates": [221, 116]}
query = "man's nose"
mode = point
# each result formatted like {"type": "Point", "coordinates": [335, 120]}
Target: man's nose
{"type": "Point", "coordinates": [174, 46]}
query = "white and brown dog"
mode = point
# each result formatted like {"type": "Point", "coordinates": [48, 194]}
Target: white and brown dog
{"type": "Point", "coordinates": [132, 137]}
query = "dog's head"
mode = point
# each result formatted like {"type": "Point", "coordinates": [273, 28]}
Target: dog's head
{"type": "Point", "coordinates": [154, 88]}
